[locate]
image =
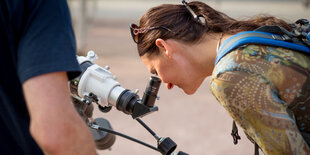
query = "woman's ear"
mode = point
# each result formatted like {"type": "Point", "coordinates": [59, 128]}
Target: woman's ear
{"type": "Point", "coordinates": [163, 47]}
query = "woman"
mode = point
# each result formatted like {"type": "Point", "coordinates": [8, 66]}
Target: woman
{"type": "Point", "coordinates": [264, 88]}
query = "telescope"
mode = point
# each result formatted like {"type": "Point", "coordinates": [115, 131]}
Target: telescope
{"type": "Point", "coordinates": [98, 85]}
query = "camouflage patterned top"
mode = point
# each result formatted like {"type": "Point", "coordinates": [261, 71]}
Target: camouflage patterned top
{"type": "Point", "coordinates": [266, 90]}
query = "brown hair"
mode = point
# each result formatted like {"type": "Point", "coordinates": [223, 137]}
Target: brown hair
{"type": "Point", "coordinates": [186, 29]}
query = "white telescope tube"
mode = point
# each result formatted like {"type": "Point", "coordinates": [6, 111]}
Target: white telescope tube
{"type": "Point", "coordinates": [98, 81]}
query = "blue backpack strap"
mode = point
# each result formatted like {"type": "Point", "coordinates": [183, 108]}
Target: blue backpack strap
{"type": "Point", "coordinates": [257, 37]}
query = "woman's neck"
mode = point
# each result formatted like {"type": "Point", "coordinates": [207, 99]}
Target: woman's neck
{"type": "Point", "coordinates": [206, 50]}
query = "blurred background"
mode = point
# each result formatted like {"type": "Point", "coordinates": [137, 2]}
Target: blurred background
{"type": "Point", "coordinates": [197, 123]}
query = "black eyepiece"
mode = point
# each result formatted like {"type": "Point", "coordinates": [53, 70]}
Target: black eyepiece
{"type": "Point", "coordinates": [150, 93]}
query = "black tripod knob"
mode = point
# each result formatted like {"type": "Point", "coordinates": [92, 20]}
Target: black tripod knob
{"type": "Point", "coordinates": [103, 139]}
{"type": "Point", "coordinates": [166, 146]}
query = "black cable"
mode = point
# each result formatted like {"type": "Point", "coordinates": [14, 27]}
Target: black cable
{"type": "Point", "coordinates": [128, 137]}
{"type": "Point", "coordinates": [147, 128]}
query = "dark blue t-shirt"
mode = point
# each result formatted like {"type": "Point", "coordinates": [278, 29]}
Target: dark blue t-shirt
{"type": "Point", "coordinates": [36, 37]}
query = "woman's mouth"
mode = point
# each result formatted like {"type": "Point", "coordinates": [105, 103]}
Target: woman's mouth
{"type": "Point", "coordinates": [169, 85]}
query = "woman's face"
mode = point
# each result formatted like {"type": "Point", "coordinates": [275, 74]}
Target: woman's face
{"type": "Point", "coordinates": [175, 69]}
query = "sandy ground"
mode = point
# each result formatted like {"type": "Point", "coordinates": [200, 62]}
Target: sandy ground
{"type": "Point", "coordinates": [197, 123]}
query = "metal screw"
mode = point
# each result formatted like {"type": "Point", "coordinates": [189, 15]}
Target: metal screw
{"type": "Point", "coordinates": [91, 54]}
{"type": "Point", "coordinates": [114, 77]}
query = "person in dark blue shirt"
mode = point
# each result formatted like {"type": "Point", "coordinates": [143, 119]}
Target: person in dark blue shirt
{"type": "Point", "coordinates": [38, 57]}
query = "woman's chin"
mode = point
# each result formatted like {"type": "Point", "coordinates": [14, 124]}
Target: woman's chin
{"type": "Point", "coordinates": [189, 91]}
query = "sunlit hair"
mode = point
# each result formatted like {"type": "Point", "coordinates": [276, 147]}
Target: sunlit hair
{"type": "Point", "coordinates": [180, 21]}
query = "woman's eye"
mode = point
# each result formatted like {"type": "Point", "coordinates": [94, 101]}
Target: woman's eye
{"type": "Point", "coordinates": [154, 72]}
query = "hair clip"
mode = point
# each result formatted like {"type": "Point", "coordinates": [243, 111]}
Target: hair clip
{"type": "Point", "coordinates": [199, 18]}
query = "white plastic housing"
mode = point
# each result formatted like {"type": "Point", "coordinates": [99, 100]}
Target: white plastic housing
{"type": "Point", "coordinates": [100, 82]}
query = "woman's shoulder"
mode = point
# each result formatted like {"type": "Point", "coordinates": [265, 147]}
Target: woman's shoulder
{"type": "Point", "coordinates": [256, 59]}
